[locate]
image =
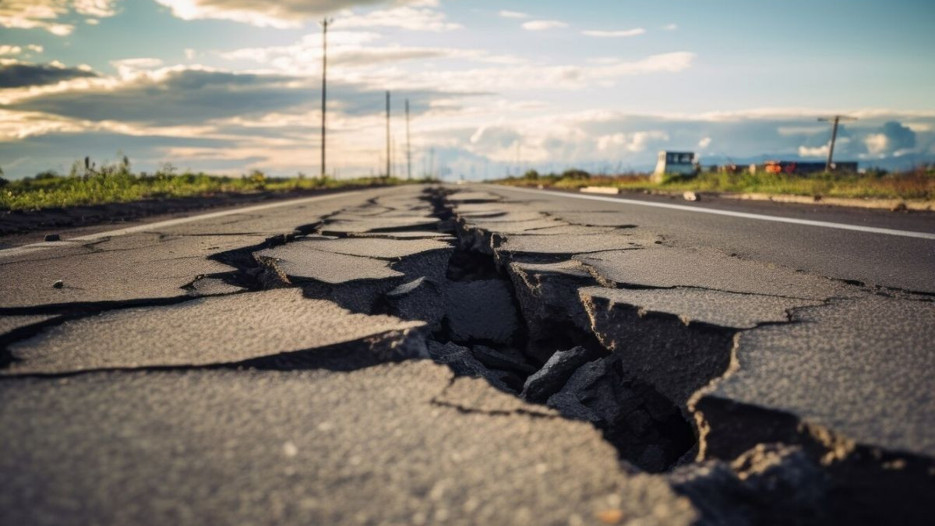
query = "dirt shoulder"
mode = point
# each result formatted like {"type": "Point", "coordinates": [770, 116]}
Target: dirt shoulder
{"type": "Point", "coordinates": [19, 223]}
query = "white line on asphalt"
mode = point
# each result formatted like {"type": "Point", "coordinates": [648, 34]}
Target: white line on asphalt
{"type": "Point", "coordinates": [745, 215]}
{"type": "Point", "coordinates": [150, 227]}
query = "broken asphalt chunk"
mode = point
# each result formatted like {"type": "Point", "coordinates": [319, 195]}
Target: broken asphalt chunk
{"type": "Point", "coordinates": [555, 373]}
{"type": "Point", "coordinates": [678, 340]}
{"type": "Point", "coordinates": [200, 332]}
{"type": "Point", "coordinates": [665, 267]}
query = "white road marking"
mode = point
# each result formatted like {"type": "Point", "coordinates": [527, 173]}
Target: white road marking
{"type": "Point", "coordinates": [745, 215]}
{"type": "Point", "coordinates": [150, 227]}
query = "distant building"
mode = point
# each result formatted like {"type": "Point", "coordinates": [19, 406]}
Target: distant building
{"type": "Point", "coordinates": [675, 163]}
{"type": "Point", "coordinates": [801, 167]}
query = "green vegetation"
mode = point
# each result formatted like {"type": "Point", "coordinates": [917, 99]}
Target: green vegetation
{"type": "Point", "coordinates": [916, 184]}
{"type": "Point", "coordinates": [115, 183]}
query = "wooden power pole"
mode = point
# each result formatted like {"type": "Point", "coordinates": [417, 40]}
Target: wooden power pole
{"type": "Point", "coordinates": [324, 88]}
{"type": "Point", "coordinates": [388, 151]}
{"type": "Point", "coordinates": [408, 146]}
{"type": "Point", "coordinates": [834, 120]}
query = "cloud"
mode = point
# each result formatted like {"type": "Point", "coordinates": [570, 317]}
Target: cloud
{"type": "Point", "coordinates": [631, 142]}
{"type": "Point", "coordinates": [542, 25]}
{"type": "Point", "coordinates": [21, 74]}
{"type": "Point", "coordinates": [615, 34]}
{"type": "Point", "coordinates": [670, 27]}
{"type": "Point", "coordinates": [513, 14]}
{"type": "Point", "coordinates": [409, 18]}
{"type": "Point", "coordinates": [817, 151]}
{"type": "Point", "coordinates": [285, 13]}
{"type": "Point", "coordinates": [44, 14]}
{"type": "Point", "coordinates": [704, 142]}
{"type": "Point", "coordinates": [349, 50]}
{"type": "Point", "coordinates": [10, 50]}
{"type": "Point", "coordinates": [171, 96]}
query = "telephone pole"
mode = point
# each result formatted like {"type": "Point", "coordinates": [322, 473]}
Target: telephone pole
{"type": "Point", "coordinates": [388, 151]}
{"type": "Point", "coordinates": [408, 146]}
{"type": "Point", "coordinates": [834, 120]}
{"type": "Point", "coordinates": [324, 87]}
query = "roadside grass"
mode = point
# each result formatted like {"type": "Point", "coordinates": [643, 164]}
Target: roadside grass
{"type": "Point", "coordinates": [916, 184]}
{"type": "Point", "coordinates": [116, 184]}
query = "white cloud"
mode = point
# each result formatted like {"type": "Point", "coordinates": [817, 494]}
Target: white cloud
{"type": "Point", "coordinates": [35, 48]}
{"type": "Point", "coordinates": [615, 34]}
{"type": "Point", "coordinates": [817, 151]}
{"type": "Point", "coordinates": [704, 143]}
{"type": "Point", "coordinates": [513, 14]}
{"type": "Point", "coordinates": [129, 67]}
{"type": "Point", "coordinates": [918, 127]}
{"type": "Point", "coordinates": [96, 8]}
{"type": "Point", "coordinates": [410, 18]}
{"type": "Point", "coordinates": [291, 13]}
{"type": "Point", "coordinates": [357, 56]}
{"type": "Point", "coordinates": [44, 14]}
{"type": "Point", "coordinates": [541, 25]}
{"type": "Point", "coordinates": [631, 142]}
{"type": "Point", "coordinates": [877, 143]}
{"type": "Point", "coordinates": [670, 27]}
{"type": "Point", "coordinates": [10, 50]}
{"type": "Point", "coordinates": [801, 130]}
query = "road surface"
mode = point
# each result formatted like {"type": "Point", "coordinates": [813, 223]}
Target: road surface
{"type": "Point", "coordinates": [472, 355]}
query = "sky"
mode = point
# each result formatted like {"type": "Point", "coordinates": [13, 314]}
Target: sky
{"type": "Point", "coordinates": [494, 87]}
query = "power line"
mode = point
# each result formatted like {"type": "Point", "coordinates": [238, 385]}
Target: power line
{"type": "Point", "coordinates": [388, 151]}
{"type": "Point", "coordinates": [834, 135]}
{"type": "Point", "coordinates": [324, 88]}
{"type": "Point", "coordinates": [408, 145]}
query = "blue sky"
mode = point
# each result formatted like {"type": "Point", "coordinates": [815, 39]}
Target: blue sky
{"type": "Point", "coordinates": [230, 85]}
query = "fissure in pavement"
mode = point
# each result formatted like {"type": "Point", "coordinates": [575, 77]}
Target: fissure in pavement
{"type": "Point", "coordinates": [541, 330]}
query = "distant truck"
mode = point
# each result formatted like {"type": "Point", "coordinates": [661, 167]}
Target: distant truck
{"type": "Point", "coordinates": [675, 163]}
{"type": "Point", "coordinates": [800, 167]}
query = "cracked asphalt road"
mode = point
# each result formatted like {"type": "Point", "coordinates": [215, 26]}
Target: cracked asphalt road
{"type": "Point", "coordinates": [364, 358]}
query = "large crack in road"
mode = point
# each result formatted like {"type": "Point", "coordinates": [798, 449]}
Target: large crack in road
{"type": "Point", "coordinates": [572, 318]}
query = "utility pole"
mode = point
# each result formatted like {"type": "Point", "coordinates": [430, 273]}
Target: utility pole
{"type": "Point", "coordinates": [408, 146]}
{"type": "Point", "coordinates": [834, 135]}
{"type": "Point", "coordinates": [324, 87]}
{"type": "Point", "coordinates": [388, 151]}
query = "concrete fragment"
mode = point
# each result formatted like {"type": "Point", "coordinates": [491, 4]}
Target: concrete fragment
{"type": "Point", "coordinates": [419, 299]}
{"type": "Point", "coordinates": [133, 267]}
{"type": "Point", "coordinates": [548, 298]}
{"type": "Point", "coordinates": [204, 286]}
{"type": "Point", "coordinates": [508, 359]}
{"type": "Point", "coordinates": [301, 261]}
{"type": "Point", "coordinates": [554, 374]}
{"type": "Point", "coordinates": [677, 340]}
{"type": "Point", "coordinates": [379, 248]}
{"type": "Point", "coordinates": [570, 244]}
{"type": "Point", "coordinates": [771, 483]}
{"type": "Point", "coordinates": [208, 447]}
{"type": "Point", "coordinates": [704, 268]}
{"type": "Point", "coordinates": [600, 392]}
{"type": "Point", "coordinates": [809, 373]}
{"type": "Point", "coordinates": [199, 332]}
{"type": "Point", "coordinates": [462, 362]}
{"type": "Point", "coordinates": [377, 224]}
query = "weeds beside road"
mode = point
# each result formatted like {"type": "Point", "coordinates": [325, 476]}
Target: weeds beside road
{"type": "Point", "coordinates": [120, 186]}
{"type": "Point", "coordinates": [917, 185]}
